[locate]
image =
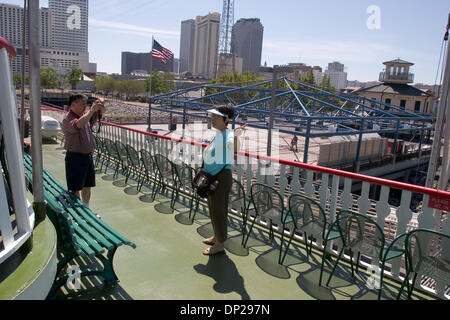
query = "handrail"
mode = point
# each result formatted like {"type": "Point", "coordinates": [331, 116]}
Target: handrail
{"type": "Point", "coordinates": [379, 181]}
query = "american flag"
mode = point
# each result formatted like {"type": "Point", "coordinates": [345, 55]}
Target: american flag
{"type": "Point", "coordinates": [161, 53]}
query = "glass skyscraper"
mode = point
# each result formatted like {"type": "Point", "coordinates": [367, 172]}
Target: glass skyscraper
{"type": "Point", "coordinates": [70, 24]}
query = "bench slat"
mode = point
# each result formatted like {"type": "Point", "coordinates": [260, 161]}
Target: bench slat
{"type": "Point", "coordinates": [99, 238]}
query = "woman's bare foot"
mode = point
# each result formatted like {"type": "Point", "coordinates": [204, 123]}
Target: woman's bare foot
{"type": "Point", "coordinates": [215, 249]}
{"type": "Point", "coordinates": [209, 241]}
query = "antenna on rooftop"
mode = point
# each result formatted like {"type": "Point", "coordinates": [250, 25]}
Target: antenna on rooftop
{"type": "Point", "coordinates": [226, 24]}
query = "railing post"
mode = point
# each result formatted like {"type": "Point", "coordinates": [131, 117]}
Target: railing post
{"type": "Point", "coordinates": [394, 147]}
{"type": "Point", "coordinates": [358, 151]}
{"type": "Point", "coordinates": [184, 120]}
{"type": "Point", "coordinates": [305, 151]}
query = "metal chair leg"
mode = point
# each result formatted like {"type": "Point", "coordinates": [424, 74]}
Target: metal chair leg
{"type": "Point", "coordinates": [410, 290]}
{"type": "Point", "coordinates": [403, 285]}
{"type": "Point", "coordinates": [335, 265]}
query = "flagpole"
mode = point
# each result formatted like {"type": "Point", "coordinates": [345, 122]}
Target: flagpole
{"type": "Point", "coordinates": [150, 91]}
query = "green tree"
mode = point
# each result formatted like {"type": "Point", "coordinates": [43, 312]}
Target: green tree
{"type": "Point", "coordinates": [74, 75]}
{"type": "Point", "coordinates": [238, 80]}
{"type": "Point", "coordinates": [104, 84]}
{"type": "Point", "coordinates": [161, 83]}
{"type": "Point", "coordinates": [62, 80]}
{"type": "Point", "coordinates": [49, 78]}
{"type": "Point", "coordinates": [169, 82]}
{"type": "Point", "coordinates": [326, 83]}
{"type": "Point", "coordinates": [17, 79]}
{"type": "Point", "coordinates": [129, 88]}
{"type": "Point", "coordinates": [309, 78]}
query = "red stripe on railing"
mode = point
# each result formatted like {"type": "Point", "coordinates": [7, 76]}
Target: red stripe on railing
{"type": "Point", "coordinates": [440, 194]}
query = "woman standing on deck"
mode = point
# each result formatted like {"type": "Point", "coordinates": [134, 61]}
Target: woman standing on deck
{"type": "Point", "coordinates": [218, 158]}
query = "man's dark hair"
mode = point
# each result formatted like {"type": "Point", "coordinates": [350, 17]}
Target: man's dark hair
{"type": "Point", "coordinates": [226, 110]}
{"type": "Point", "coordinates": [76, 97]}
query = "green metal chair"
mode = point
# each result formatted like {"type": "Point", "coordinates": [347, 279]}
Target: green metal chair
{"type": "Point", "coordinates": [102, 151]}
{"type": "Point", "coordinates": [237, 200]}
{"type": "Point", "coordinates": [305, 215]}
{"type": "Point", "coordinates": [167, 176]}
{"type": "Point", "coordinates": [428, 254]}
{"type": "Point", "coordinates": [113, 156]}
{"type": "Point", "coordinates": [150, 171]}
{"type": "Point", "coordinates": [134, 164]}
{"type": "Point", "coordinates": [123, 157]}
{"type": "Point", "coordinates": [395, 249]}
{"type": "Point", "coordinates": [185, 175]}
{"type": "Point", "coordinates": [98, 152]}
{"type": "Point", "coordinates": [359, 234]}
{"type": "Point", "coordinates": [267, 203]}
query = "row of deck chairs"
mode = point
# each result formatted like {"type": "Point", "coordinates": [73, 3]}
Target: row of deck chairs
{"type": "Point", "coordinates": [158, 171]}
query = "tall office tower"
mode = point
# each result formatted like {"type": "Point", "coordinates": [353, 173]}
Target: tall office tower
{"type": "Point", "coordinates": [338, 77]}
{"type": "Point", "coordinates": [11, 22]}
{"type": "Point", "coordinates": [187, 45]}
{"type": "Point", "coordinates": [69, 37]}
{"type": "Point", "coordinates": [70, 24]}
{"type": "Point", "coordinates": [246, 42]}
{"type": "Point", "coordinates": [336, 66]}
{"type": "Point", "coordinates": [206, 42]}
{"type": "Point", "coordinates": [63, 36]}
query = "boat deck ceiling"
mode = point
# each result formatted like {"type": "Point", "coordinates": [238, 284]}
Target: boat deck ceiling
{"type": "Point", "coordinates": [168, 263]}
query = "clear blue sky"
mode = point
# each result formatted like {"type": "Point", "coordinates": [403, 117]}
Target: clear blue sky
{"type": "Point", "coordinates": [312, 32]}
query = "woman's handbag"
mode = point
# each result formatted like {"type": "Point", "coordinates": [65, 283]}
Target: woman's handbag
{"type": "Point", "coordinates": [204, 183]}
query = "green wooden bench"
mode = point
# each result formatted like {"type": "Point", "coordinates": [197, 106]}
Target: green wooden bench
{"type": "Point", "coordinates": [80, 232]}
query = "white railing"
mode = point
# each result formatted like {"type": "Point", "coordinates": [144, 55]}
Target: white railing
{"type": "Point", "coordinates": [320, 183]}
{"type": "Point", "coordinates": [15, 226]}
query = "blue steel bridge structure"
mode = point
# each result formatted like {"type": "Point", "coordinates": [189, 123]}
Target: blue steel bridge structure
{"type": "Point", "coordinates": [300, 109]}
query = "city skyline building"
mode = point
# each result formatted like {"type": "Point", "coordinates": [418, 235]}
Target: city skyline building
{"type": "Point", "coordinates": [54, 52]}
{"type": "Point", "coordinates": [70, 24]}
{"type": "Point", "coordinates": [246, 42]}
{"type": "Point", "coordinates": [206, 43]}
{"type": "Point", "coordinates": [187, 37]}
{"type": "Point", "coordinates": [338, 77]}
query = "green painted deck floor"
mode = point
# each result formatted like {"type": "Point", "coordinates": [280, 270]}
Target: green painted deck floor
{"type": "Point", "coordinates": [168, 262]}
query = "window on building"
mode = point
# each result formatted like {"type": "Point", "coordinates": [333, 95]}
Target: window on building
{"type": "Point", "coordinates": [417, 106]}
{"type": "Point", "coordinates": [388, 101]}
{"type": "Point", "coordinates": [402, 104]}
